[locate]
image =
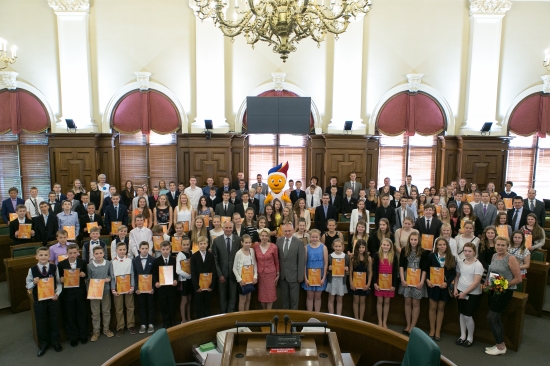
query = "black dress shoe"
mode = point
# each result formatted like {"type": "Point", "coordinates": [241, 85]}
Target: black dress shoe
{"type": "Point", "coordinates": [84, 340]}
{"type": "Point", "coordinates": [41, 351]}
{"type": "Point", "coordinates": [57, 347]}
{"type": "Point", "coordinates": [74, 343]}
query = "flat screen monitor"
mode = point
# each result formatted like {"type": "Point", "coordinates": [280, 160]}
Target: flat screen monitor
{"type": "Point", "coordinates": [278, 115]}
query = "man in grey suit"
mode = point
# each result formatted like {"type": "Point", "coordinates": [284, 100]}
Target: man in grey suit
{"type": "Point", "coordinates": [535, 206]}
{"type": "Point", "coordinates": [292, 263]}
{"type": "Point", "coordinates": [354, 185]}
{"type": "Point", "coordinates": [401, 212]}
{"type": "Point", "coordinates": [224, 249]}
{"type": "Point", "coordinates": [263, 185]}
{"type": "Point", "coordinates": [486, 212]}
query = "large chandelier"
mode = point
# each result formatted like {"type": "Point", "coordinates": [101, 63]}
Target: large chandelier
{"type": "Point", "coordinates": [4, 58]}
{"type": "Point", "coordinates": [281, 23]}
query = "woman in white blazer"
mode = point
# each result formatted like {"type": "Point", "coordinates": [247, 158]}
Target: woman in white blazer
{"type": "Point", "coordinates": [359, 211]}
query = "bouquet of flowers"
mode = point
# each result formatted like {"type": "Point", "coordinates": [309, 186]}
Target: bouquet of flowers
{"type": "Point", "coordinates": [497, 285]}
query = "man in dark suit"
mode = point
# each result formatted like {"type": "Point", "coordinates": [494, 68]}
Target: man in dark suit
{"type": "Point", "coordinates": [224, 188]}
{"type": "Point", "coordinates": [75, 204]}
{"type": "Point", "coordinates": [409, 187]}
{"type": "Point", "coordinates": [115, 213]}
{"type": "Point", "coordinates": [224, 208]}
{"type": "Point", "coordinates": [457, 198]}
{"type": "Point", "coordinates": [535, 206]}
{"type": "Point", "coordinates": [236, 183]}
{"type": "Point", "coordinates": [292, 262]}
{"type": "Point", "coordinates": [334, 199]}
{"type": "Point", "coordinates": [152, 198]}
{"type": "Point", "coordinates": [349, 203]}
{"type": "Point", "coordinates": [45, 225]}
{"type": "Point", "coordinates": [241, 207]}
{"type": "Point", "coordinates": [90, 216]}
{"type": "Point", "coordinates": [212, 200]}
{"type": "Point", "coordinates": [297, 193]}
{"type": "Point", "coordinates": [53, 205]}
{"type": "Point", "coordinates": [385, 211]}
{"type": "Point", "coordinates": [428, 224]}
{"type": "Point", "coordinates": [143, 265]}
{"type": "Point", "coordinates": [59, 196]}
{"type": "Point", "coordinates": [396, 202]}
{"type": "Point", "coordinates": [241, 189]}
{"type": "Point", "coordinates": [334, 182]}
{"type": "Point", "coordinates": [10, 205]}
{"type": "Point", "coordinates": [517, 216]}
{"type": "Point", "coordinates": [485, 212]}
{"type": "Point", "coordinates": [173, 194]}
{"type": "Point", "coordinates": [324, 213]}
{"type": "Point", "coordinates": [387, 183]}
{"type": "Point", "coordinates": [22, 218]}
{"type": "Point", "coordinates": [224, 249]}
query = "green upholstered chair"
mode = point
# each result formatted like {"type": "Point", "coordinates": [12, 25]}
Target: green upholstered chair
{"type": "Point", "coordinates": [538, 255]}
{"type": "Point", "coordinates": [25, 252]}
{"type": "Point", "coordinates": [421, 351]}
{"type": "Point", "coordinates": [157, 351]}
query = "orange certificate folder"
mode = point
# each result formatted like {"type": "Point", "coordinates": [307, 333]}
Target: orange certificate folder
{"type": "Point", "coordinates": [508, 203]}
{"type": "Point", "coordinates": [470, 197]}
{"type": "Point", "coordinates": [438, 209]}
{"type": "Point", "coordinates": [247, 274]}
{"type": "Point", "coordinates": [145, 283]}
{"type": "Point", "coordinates": [13, 216]}
{"type": "Point", "coordinates": [46, 288]}
{"type": "Point", "coordinates": [25, 231]}
{"type": "Point", "coordinates": [437, 276]}
{"type": "Point", "coordinates": [194, 248]}
{"type": "Point", "coordinates": [176, 244]}
{"type": "Point", "coordinates": [156, 242]}
{"type": "Point", "coordinates": [166, 276]}
{"type": "Point", "coordinates": [205, 280]}
{"type": "Point", "coordinates": [338, 267]}
{"type": "Point", "coordinates": [359, 280]}
{"type": "Point", "coordinates": [115, 225]}
{"type": "Point", "coordinates": [72, 278]}
{"type": "Point", "coordinates": [123, 284]}
{"type": "Point", "coordinates": [427, 242]}
{"type": "Point", "coordinates": [311, 211]}
{"type": "Point", "coordinates": [206, 220]}
{"type": "Point", "coordinates": [61, 257]}
{"type": "Point", "coordinates": [502, 230]}
{"type": "Point", "coordinates": [95, 289]}
{"type": "Point", "coordinates": [314, 276]}
{"type": "Point", "coordinates": [70, 232]}
{"type": "Point", "coordinates": [164, 229]}
{"type": "Point", "coordinates": [186, 266]}
{"type": "Point", "coordinates": [186, 226]}
{"type": "Point", "coordinates": [385, 281]}
{"type": "Point", "coordinates": [528, 241]}
{"type": "Point", "coordinates": [413, 277]}
{"type": "Point", "coordinates": [225, 219]}
{"type": "Point", "coordinates": [90, 225]}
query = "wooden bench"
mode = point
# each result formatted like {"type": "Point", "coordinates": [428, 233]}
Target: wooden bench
{"type": "Point", "coordinates": [16, 273]}
{"type": "Point", "coordinates": [5, 244]}
{"type": "Point", "coordinates": [537, 275]}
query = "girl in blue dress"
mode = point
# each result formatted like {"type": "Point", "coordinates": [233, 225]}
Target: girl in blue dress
{"type": "Point", "coordinates": [317, 260]}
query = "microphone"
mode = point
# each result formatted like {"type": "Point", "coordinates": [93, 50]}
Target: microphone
{"type": "Point", "coordinates": [286, 322]}
{"type": "Point", "coordinates": [276, 322]}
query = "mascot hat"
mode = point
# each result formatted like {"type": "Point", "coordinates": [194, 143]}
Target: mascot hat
{"type": "Point", "coordinates": [280, 169]}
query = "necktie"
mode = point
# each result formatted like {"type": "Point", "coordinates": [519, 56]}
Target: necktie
{"type": "Point", "coordinates": [52, 205]}
{"type": "Point", "coordinates": [36, 207]}
{"type": "Point", "coordinates": [325, 208]}
{"type": "Point", "coordinates": [428, 225]}
{"type": "Point", "coordinates": [353, 186]}
{"type": "Point", "coordinates": [143, 262]}
{"type": "Point", "coordinates": [46, 219]}
{"type": "Point", "coordinates": [311, 201]}
{"type": "Point", "coordinates": [225, 209]}
{"type": "Point", "coordinates": [285, 248]}
{"type": "Point", "coordinates": [532, 206]}
{"type": "Point", "coordinates": [484, 209]}
{"type": "Point", "coordinates": [402, 216]}
{"type": "Point", "coordinates": [514, 220]}
{"type": "Point", "coordinates": [59, 197]}
{"type": "Point", "coordinates": [44, 271]}
{"type": "Point", "coordinates": [228, 245]}
{"type": "Point", "coordinates": [116, 211]}
{"type": "Point", "coordinates": [166, 261]}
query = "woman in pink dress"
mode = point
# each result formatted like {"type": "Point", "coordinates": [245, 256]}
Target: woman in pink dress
{"type": "Point", "coordinates": [267, 258]}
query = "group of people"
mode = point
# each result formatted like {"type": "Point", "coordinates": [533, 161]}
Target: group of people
{"type": "Point", "coordinates": [438, 244]}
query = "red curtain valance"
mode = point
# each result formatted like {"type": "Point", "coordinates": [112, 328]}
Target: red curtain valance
{"type": "Point", "coordinates": [22, 110]}
{"type": "Point", "coordinates": [283, 93]}
{"type": "Point", "coordinates": [411, 112]}
{"type": "Point", "coordinates": [145, 111]}
{"type": "Point", "coordinates": [531, 115]}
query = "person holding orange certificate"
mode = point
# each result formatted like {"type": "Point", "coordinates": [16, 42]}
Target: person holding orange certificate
{"type": "Point", "coordinates": [316, 267]}
{"type": "Point", "coordinates": [163, 266]}
{"type": "Point", "coordinates": [200, 229]}
{"type": "Point", "coordinates": [537, 233]}
{"type": "Point", "coordinates": [68, 220]}
{"type": "Point", "coordinates": [19, 224]}
{"type": "Point", "coordinates": [413, 260]}
{"type": "Point", "coordinates": [73, 298]}
{"type": "Point", "coordinates": [385, 273]}
{"type": "Point", "coordinates": [122, 287]}
{"type": "Point", "coordinates": [203, 264]}
{"type": "Point", "coordinates": [143, 273]}
{"type": "Point", "coordinates": [45, 311]}
{"type": "Point", "coordinates": [183, 269]}
{"type": "Point", "coordinates": [338, 271]}
{"type": "Point", "coordinates": [442, 265]}
{"type": "Point", "coordinates": [100, 269]}
{"type": "Point", "coordinates": [245, 270]}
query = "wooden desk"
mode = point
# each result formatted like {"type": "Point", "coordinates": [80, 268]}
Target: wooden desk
{"type": "Point", "coordinates": [16, 273]}
{"type": "Point", "coordinates": [5, 243]}
{"type": "Point", "coordinates": [537, 275]}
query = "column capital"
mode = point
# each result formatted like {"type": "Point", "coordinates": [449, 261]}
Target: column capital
{"type": "Point", "coordinates": [278, 80]}
{"type": "Point", "coordinates": [142, 78]}
{"type": "Point", "coordinates": [414, 82]}
{"type": "Point", "coordinates": [546, 83]}
{"type": "Point", "coordinates": [70, 5]}
{"type": "Point", "coordinates": [9, 79]}
{"type": "Point", "coordinates": [490, 7]}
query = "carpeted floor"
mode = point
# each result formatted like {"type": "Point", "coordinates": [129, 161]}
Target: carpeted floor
{"type": "Point", "coordinates": [18, 348]}
{"type": "Point", "coordinates": [4, 300]}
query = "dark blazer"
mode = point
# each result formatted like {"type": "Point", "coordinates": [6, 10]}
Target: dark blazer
{"type": "Point", "coordinates": [56, 207]}
{"type": "Point", "coordinates": [212, 203]}
{"type": "Point", "coordinates": [321, 220]}
{"type": "Point", "coordinates": [235, 202]}
{"type": "Point", "coordinates": [240, 209]}
{"type": "Point", "coordinates": [539, 210]}
{"type": "Point", "coordinates": [152, 202]}
{"type": "Point", "coordinates": [522, 219]}
{"type": "Point", "coordinates": [14, 226]}
{"type": "Point", "coordinates": [138, 269]}
{"type": "Point", "coordinates": [337, 202]}
{"type": "Point", "coordinates": [424, 263]}
{"type": "Point", "coordinates": [388, 213]}
{"type": "Point", "coordinates": [84, 219]}
{"type": "Point", "coordinates": [43, 232]}
{"type": "Point", "coordinates": [392, 190]}
{"type": "Point", "coordinates": [107, 201]}
{"type": "Point", "coordinates": [70, 293]}
{"type": "Point", "coordinates": [224, 261]}
{"type": "Point", "coordinates": [450, 274]}
{"type": "Point", "coordinates": [294, 196]}
{"type": "Point", "coordinates": [111, 216]}
{"type": "Point", "coordinates": [235, 185]}
{"type": "Point", "coordinates": [219, 209]}
{"type": "Point", "coordinates": [62, 198]}
{"type": "Point", "coordinates": [199, 266]}
{"type": "Point", "coordinates": [347, 207]}
{"type": "Point", "coordinates": [172, 201]}
{"type": "Point", "coordinates": [339, 191]}
{"type": "Point", "coordinates": [159, 262]}
{"type": "Point", "coordinates": [221, 190]}
{"type": "Point", "coordinates": [76, 206]}
{"type": "Point", "coordinates": [435, 227]}
{"type": "Point", "coordinates": [256, 203]}
{"type": "Point", "coordinates": [7, 208]}
{"type": "Point", "coordinates": [407, 192]}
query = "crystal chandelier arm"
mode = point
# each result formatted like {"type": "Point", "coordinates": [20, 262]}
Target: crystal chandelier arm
{"type": "Point", "coordinates": [220, 18]}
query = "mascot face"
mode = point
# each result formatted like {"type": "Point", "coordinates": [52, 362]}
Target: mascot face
{"type": "Point", "coordinates": [276, 182]}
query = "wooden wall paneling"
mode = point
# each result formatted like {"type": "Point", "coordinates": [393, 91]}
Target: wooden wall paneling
{"type": "Point", "coordinates": [315, 159]}
{"type": "Point", "coordinates": [346, 154]}
{"type": "Point", "coordinates": [107, 161]}
{"type": "Point", "coordinates": [446, 161]}
{"type": "Point", "coordinates": [373, 155]}
{"type": "Point", "coordinates": [239, 157]}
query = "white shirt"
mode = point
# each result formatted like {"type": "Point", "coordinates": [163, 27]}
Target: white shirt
{"type": "Point", "coordinates": [138, 235]}
{"type": "Point", "coordinates": [194, 195]}
{"type": "Point", "coordinates": [30, 206]}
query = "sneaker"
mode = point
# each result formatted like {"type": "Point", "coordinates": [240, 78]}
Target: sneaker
{"type": "Point", "coordinates": [119, 333]}
{"type": "Point", "coordinates": [108, 333]}
{"type": "Point", "coordinates": [151, 329]}
{"type": "Point", "coordinates": [95, 337]}
{"type": "Point", "coordinates": [142, 329]}
{"type": "Point", "coordinates": [495, 351]}
{"type": "Point", "coordinates": [132, 330]}
{"type": "Point", "coordinates": [489, 348]}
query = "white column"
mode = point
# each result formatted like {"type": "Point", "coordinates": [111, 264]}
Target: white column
{"type": "Point", "coordinates": [484, 64]}
{"type": "Point", "coordinates": [9, 79]}
{"type": "Point", "coordinates": [210, 77]}
{"type": "Point", "coordinates": [346, 90]}
{"type": "Point", "coordinates": [74, 64]}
